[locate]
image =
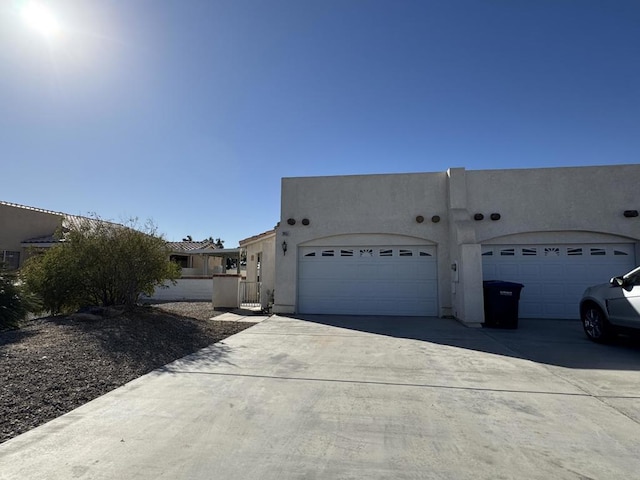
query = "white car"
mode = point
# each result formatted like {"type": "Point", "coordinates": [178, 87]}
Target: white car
{"type": "Point", "coordinates": [611, 307]}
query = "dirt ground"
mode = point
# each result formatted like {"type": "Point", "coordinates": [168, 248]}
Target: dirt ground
{"type": "Point", "coordinates": [55, 364]}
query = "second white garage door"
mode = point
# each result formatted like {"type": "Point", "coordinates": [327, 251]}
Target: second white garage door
{"type": "Point", "coordinates": [368, 280]}
{"type": "Point", "coordinates": [555, 276]}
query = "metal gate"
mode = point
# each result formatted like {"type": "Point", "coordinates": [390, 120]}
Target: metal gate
{"type": "Point", "coordinates": [250, 294]}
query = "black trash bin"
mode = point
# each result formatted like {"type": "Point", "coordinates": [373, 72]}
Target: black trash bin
{"type": "Point", "coordinates": [501, 303]}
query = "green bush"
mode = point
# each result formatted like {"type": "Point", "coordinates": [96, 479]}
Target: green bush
{"type": "Point", "coordinates": [15, 302]}
{"type": "Point", "coordinates": [100, 263]}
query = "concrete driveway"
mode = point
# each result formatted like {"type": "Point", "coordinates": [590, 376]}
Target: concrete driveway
{"type": "Point", "coordinates": [359, 398]}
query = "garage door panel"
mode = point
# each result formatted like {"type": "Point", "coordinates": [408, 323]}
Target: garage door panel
{"type": "Point", "coordinates": [318, 270]}
{"type": "Point", "coordinates": [530, 310]}
{"type": "Point", "coordinates": [508, 270]}
{"type": "Point", "coordinates": [554, 309]}
{"type": "Point", "coordinates": [554, 270]}
{"type": "Point", "coordinates": [555, 276]}
{"type": "Point", "coordinates": [580, 270]}
{"type": "Point", "coordinates": [322, 287]}
{"type": "Point", "coordinates": [364, 271]}
{"type": "Point", "coordinates": [533, 290]}
{"type": "Point", "coordinates": [575, 291]}
{"type": "Point", "coordinates": [490, 272]}
{"type": "Point", "coordinates": [371, 281]}
{"type": "Point", "coordinates": [552, 291]}
{"type": "Point", "coordinates": [529, 271]}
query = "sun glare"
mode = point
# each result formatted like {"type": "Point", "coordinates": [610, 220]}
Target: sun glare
{"type": "Point", "coordinates": [41, 19]}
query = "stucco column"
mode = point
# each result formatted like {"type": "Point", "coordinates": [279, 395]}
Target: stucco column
{"type": "Point", "coordinates": [466, 254]}
{"type": "Point", "coordinates": [225, 291]}
{"type": "Point", "coordinates": [470, 292]}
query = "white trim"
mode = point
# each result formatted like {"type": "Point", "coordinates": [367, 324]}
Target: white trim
{"type": "Point", "coordinates": [373, 239]}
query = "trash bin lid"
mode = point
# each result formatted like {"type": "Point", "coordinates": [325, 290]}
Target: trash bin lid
{"type": "Point", "coordinates": [501, 284]}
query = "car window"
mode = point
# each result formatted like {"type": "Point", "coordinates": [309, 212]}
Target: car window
{"type": "Point", "coordinates": [633, 277]}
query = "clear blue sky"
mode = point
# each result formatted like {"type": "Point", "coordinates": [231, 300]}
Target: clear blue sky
{"type": "Point", "coordinates": [189, 112]}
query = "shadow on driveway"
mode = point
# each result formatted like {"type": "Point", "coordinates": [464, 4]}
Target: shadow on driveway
{"type": "Point", "coordinates": [552, 342]}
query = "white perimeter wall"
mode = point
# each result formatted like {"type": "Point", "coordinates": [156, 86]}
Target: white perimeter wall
{"type": "Point", "coordinates": [186, 289]}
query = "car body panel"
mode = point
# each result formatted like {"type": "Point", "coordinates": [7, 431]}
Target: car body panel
{"type": "Point", "coordinates": [619, 300]}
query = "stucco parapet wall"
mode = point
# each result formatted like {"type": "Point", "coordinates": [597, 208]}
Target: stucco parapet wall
{"type": "Point", "coordinates": [353, 204]}
{"type": "Point", "coordinates": [417, 193]}
{"type": "Point", "coordinates": [259, 237]}
{"type": "Point", "coordinates": [457, 188]}
{"type": "Point", "coordinates": [565, 199]}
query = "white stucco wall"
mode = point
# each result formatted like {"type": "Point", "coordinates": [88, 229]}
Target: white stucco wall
{"type": "Point", "coordinates": [562, 205]}
{"type": "Point", "coordinates": [225, 291]}
{"type": "Point", "coordinates": [264, 247]}
{"type": "Point", "coordinates": [185, 289]}
{"type": "Point", "coordinates": [583, 199]}
{"type": "Point", "coordinates": [360, 205]}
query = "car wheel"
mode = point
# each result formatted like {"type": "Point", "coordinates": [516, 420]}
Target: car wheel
{"type": "Point", "coordinates": [595, 324]}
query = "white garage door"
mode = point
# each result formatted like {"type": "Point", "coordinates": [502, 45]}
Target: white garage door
{"type": "Point", "coordinates": [368, 280]}
{"type": "Point", "coordinates": [555, 276]}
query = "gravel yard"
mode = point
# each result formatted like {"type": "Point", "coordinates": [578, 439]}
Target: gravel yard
{"type": "Point", "coordinates": [52, 365]}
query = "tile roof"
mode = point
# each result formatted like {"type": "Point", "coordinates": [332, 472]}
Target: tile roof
{"type": "Point", "coordinates": [71, 221]}
{"type": "Point", "coordinates": [67, 220]}
{"type": "Point", "coordinates": [25, 207]}
{"type": "Point", "coordinates": [43, 239]}
{"type": "Point", "coordinates": [189, 246]}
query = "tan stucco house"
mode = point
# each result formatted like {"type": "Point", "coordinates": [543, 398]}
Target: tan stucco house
{"type": "Point", "coordinates": [22, 227]}
{"type": "Point", "coordinates": [422, 243]}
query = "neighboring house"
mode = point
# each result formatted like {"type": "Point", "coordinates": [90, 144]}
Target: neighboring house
{"type": "Point", "coordinates": [199, 262]}
{"type": "Point", "coordinates": [195, 258]}
{"type": "Point", "coordinates": [203, 264]}
{"type": "Point", "coordinates": [22, 227]}
{"type": "Point", "coordinates": [25, 229]}
{"type": "Point", "coordinates": [421, 244]}
{"type": "Point", "coordinates": [260, 274]}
